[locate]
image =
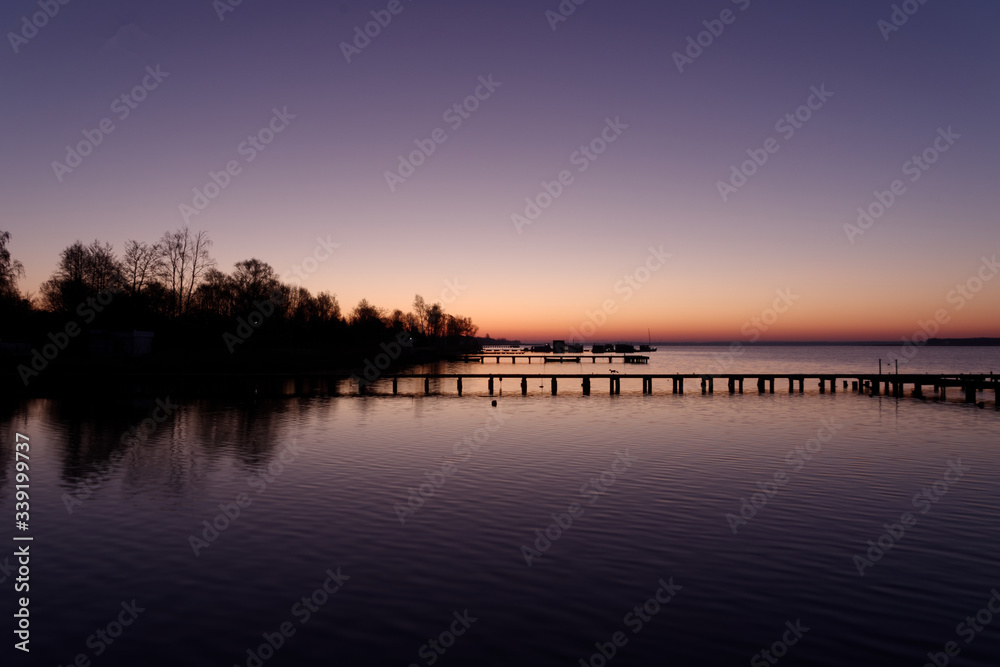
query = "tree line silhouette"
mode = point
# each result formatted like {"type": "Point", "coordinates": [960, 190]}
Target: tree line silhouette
{"type": "Point", "coordinates": [174, 288]}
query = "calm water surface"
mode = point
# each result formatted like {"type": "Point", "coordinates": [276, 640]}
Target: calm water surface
{"type": "Point", "coordinates": [654, 478]}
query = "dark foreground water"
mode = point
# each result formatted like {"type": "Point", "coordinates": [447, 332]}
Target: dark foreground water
{"type": "Point", "coordinates": [642, 486]}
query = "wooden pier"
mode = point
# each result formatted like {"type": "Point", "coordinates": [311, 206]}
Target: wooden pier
{"type": "Point", "coordinates": [862, 384]}
{"type": "Point", "coordinates": [563, 358]}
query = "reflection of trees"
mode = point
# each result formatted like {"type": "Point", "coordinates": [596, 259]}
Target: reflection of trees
{"type": "Point", "coordinates": [183, 452]}
{"type": "Point", "coordinates": [10, 422]}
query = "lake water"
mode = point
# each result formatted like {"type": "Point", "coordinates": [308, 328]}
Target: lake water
{"type": "Point", "coordinates": [615, 501]}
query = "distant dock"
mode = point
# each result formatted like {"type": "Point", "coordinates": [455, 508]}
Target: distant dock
{"type": "Point", "coordinates": [556, 358]}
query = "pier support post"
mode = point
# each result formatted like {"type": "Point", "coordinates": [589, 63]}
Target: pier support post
{"type": "Point", "coordinates": [970, 393]}
{"type": "Point", "coordinates": [996, 396]}
{"type": "Point", "coordinates": [833, 385]}
{"type": "Point", "coordinates": [704, 386]}
{"type": "Point", "coordinates": [649, 386]}
{"type": "Point", "coordinates": [611, 382]}
{"type": "Point", "coordinates": [586, 386]}
{"type": "Point", "coordinates": [918, 391]}
{"type": "Point", "coordinates": [822, 386]}
{"type": "Point", "coordinates": [760, 385]}
{"type": "Point", "coordinates": [513, 360]}
{"type": "Point", "coordinates": [618, 386]}
{"type": "Point", "coordinates": [555, 386]}
{"type": "Point", "coordinates": [524, 386]}
{"type": "Point", "coordinates": [675, 384]}
{"type": "Point", "coordinates": [680, 385]}
{"type": "Point", "coordinates": [791, 385]}
{"type": "Point", "coordinates": [732, 386]}
{"type": "Point", "coordinates": [802, 385]}
{"type": "Point", "coordinates": [711, 385]}
{"type": "Point", "coordinates": [875, 387]}
{"type": "Point", "coordinates": [491, 386]}
{"type": "Point", "coordinates": [482, 360]}
{"type": "Point", "coordinates": [427, 386]}
{"type": "Point", "coordinates": [854, 386]}
{"type": "Point", "coordinates": [459, 386]}
{"type": "Point", "coordinates": [770, 382]}
{"type": "Point", "coordinates": [741, 385]}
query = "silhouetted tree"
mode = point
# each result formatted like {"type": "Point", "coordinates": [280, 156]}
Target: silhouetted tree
{"type": "Point", "coordinates": [253, 280]}
{"type": "Point", "coordinates": [215, 294]}
{"type": "Point", "coordinates": [459, 327]}
{"type": "Point", "coordinates": [186, 260]}
{"type": "Point", "coordinates": [328, 308]}
{"type": "Point", "coordinates": [82, 272]}
{"type": "Point", "coordinates": [420, 314]}
{"type": "Point", "coordinates": [365, 314]}
{"type": "Point", "coordinates": [10, 271]}
{"type": "Point", "coordinates": [142, 263]}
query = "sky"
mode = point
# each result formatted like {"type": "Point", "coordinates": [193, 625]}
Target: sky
{"type": "Point", "coordinates": [613, 170]}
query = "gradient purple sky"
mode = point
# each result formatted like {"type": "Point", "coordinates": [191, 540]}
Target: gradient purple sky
{"type": "Point", "coordinates": [324, 176]}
